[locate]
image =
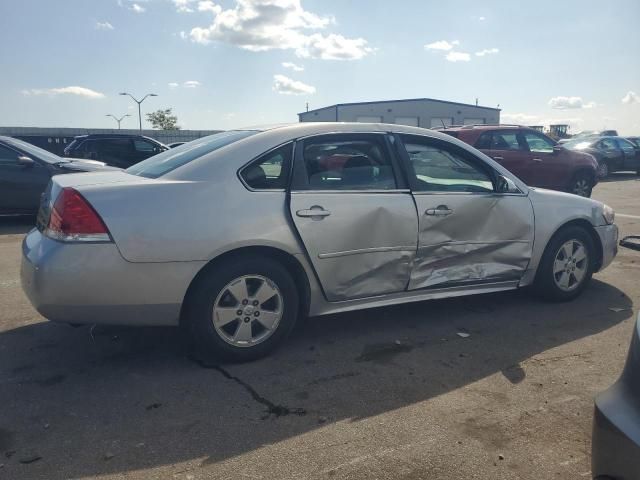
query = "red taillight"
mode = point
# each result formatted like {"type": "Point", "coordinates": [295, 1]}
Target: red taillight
{"type": "Point", "coordinates": [73, 219]}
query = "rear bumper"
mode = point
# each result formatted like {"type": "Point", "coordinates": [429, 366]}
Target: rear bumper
{"type": "Point", "coordinates": [93, 283]}
{"type": "Point", "coordinates": [609, 239]}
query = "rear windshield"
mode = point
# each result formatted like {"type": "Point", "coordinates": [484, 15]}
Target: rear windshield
{"type": "Point", "coordinates": [169, 160]}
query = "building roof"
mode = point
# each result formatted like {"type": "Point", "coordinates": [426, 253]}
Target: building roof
{"type": "Point", "coordinates": [401, 100]}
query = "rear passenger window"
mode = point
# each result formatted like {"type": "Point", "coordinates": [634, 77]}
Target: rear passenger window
{"type": "Point", "coordinates": [505, 141]}
{"type": "Point", "coordinates": [348, 163]}
{"type": "Point", "coordinates": [144, 147]}
{"type": "Point", "coordinates": [269, 172]}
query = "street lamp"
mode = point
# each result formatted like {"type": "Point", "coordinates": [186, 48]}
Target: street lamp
{"type": "Point", "coordinates": [139, 102]}
{"type": "Point", "coordinates": [117, 119]}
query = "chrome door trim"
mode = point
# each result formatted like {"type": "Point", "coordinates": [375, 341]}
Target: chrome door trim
{"type": "Point", "coordinates": [406, 248]}
{"type": "Point", "coordinates": [294, 192]}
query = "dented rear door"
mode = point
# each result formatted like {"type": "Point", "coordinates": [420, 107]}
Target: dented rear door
{"type": "Point", "coordinates": [468, 233]}
{"type": "Point", "coordinates": [358, 225]}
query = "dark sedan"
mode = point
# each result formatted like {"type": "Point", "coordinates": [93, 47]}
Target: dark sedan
{"type": "Point", "coordinates": [616, 424]}
{"type": "Point", "coordinates": [612, 153]}
{"type": "Point", "coordinates": [25, 171]}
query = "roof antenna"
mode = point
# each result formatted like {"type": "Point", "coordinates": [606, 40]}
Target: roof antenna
{"type": "Point", "coordinates": [307, 106]}
{"type": "Point", "coordinates": [443, 125]}
{"type": "Point", "coordinates": [476, 101]}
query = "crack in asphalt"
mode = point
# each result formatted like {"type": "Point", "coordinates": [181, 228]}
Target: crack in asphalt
{"type": "Point", "coordinates": [271, 408]}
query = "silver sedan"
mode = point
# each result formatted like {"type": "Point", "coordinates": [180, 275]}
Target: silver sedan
{"type": "Point", "coordinates": [237, 235]}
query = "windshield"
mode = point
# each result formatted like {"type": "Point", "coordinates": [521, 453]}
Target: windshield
{"type": "Point", "coordinates": [169, 160]}
{"type": "Point", "coordinates": [37, 152]}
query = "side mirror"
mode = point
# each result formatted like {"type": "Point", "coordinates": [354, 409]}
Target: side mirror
{"type": "Point", "coordinates": [504, 185]}
{"type": "Point", "coordinates": [26, 162]}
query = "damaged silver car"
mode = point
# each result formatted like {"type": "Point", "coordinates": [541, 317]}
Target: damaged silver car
{"type": "Point", "coordinates": [237, 235]}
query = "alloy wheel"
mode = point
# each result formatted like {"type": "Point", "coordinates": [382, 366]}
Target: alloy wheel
{"type": "Point", "coordinates": [571, 265]}
{"type": "Point", "coordinates": [581, 187]}
{"type": "Point", "coordinates": [247, 310]}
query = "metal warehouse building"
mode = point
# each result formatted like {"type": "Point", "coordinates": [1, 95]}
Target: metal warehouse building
{"type": "Point", "coordinates": [419, 112]}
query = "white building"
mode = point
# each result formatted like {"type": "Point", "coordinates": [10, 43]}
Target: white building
{"type": "Point", "coordinates": [420, 112]}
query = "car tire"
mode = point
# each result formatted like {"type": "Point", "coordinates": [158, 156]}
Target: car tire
{"type": "Point", "coordinates": [581, 184]}
{"type": "Point", "coordinates": [603, 170]}
{"type": "Point", "coordinates": [225, 328]}
{"type": "Point", "coordinates": [563, 276]}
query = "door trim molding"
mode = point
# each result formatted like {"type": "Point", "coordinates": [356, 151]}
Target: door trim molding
{"type": "Point", "coordinates": [359, 251]}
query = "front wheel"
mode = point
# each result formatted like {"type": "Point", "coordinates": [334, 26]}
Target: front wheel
{"type": "Point", "coordinates": [242, 309]}
{"type": "Point", "coordinates": [567, 265]}
{"type": "Point", "coordinates": [581, 185]}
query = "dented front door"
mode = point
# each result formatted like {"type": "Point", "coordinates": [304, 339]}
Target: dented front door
{"type": "Point", "coordinates": [468, 233]}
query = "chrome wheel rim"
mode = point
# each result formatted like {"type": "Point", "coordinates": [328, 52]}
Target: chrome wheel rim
{"type": "Point", "coordinates": [581, 187]}
{"type": "Point", "coordinates": [570, 265]}
{"type": "Point", "coordinates": [247, 311]}
{"type": "Point", "coordinates": [603, 170]}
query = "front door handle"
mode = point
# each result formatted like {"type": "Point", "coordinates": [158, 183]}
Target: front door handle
{"type": "Point", "coordinates": [439, 211]}
{"type": "Point", "coordinates": [536, 159]}
{"type": "Point", "coordinates": [316, 212]}
{"type": "Point", "coordinates": [498, 158]}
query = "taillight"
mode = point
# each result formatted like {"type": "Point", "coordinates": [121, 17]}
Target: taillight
{"type": "Point", "coordinates": [73, 219]}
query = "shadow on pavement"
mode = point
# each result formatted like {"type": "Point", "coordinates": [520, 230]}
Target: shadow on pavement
{"type": "Point", "coordinates": [620, 177]}
{"type": "Point", "coordinates": [111, 400]}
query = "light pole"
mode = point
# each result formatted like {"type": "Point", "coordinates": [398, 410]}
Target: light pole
{"type": "Point", "coordinates": [117, 119]}
{"type": "Point", "coordinates": [139, 102]}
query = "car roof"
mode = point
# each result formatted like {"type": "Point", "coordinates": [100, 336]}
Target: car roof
{"type": "Point", "coordinates": [112, 135]}
{"type": "Point", "coordinates": [484, 127]}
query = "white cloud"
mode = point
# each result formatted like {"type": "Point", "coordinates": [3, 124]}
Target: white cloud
{"type": "Point", "coordinates": [191, 84]}
{"type": "Point", "coordinates": [104, 26]}
{"type": "Point", "coordinates": [261, 25]}
{"type": "Point", "coordinates": [137, 8]}
{"type": "Point", "coordinates": [566, 103]}
{"type": "Point", "coordinates": [631, 97]}
{"type": "Point", "coordinates": [487, 51]}
{"type": "Point", "coordinates": [458, 57]}
{"type": "Point", "coordinates": [173, 85]}
{"type": "Point", "coordinates": [293, 66]}
{"type": "Point", "coordinates": [287, 86]}
{"type": "Point", "coordinates": [209, 6]}
{"type": "Point", "coordinates": [79, 91]}
{"type": "Point", "coordinates": [183, 6]}
{"type": "Point", "coordinates": [482, 19]}
{"type": "Point", "coordinates": [441, 45]}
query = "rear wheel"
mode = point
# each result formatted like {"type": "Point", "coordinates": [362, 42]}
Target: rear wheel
{"type": "Point", "coordinates": [603, 170]}
{"type": "Point", "coordinates": [582, 185]}
{"type": "Point", "coordinates": [242, 309]}
{"type": "Point", "coordinates": [567, 264]}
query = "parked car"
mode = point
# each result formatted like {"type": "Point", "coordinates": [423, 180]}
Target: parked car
{"type": "Point", "coordinates": [114, 149]}
{"type": "Point", "coordinates": [613, 154]}
{"type": "Point", "coordinates": [589, 134]}
{"type": "Point", "coordinates": [25, 171]}
{"type": "Point", "coordinates": [238, 234]}
{"type": "Point", "coordinates": [533, 157]}
{"type": "Point", "coordinates": [175, 144]}
{"type": "Point", "coordinates": [615, 446]}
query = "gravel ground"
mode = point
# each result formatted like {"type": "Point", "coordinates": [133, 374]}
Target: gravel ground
{"type": "Point", "coordinates": [377, 394]}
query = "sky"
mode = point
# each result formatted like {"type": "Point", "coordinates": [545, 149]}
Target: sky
{"type": "Point", "coordinates": [229, 63]}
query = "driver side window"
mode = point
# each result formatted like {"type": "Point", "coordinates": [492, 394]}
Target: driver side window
{"type": "Point", "coordinates": [438, 167]}
{"type": "Point", "coordinates": [538, 143]}
{"type": "Point", "coordinates": [7, 156]}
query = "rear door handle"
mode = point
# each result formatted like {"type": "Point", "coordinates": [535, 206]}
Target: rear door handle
{"type": "Point", "coordinates": [316, 212]}
{"type": "Point", "coordinates": [498, 158]}
{"type": "Point", "coordinates": [439, 211]}
{"type": "Point", "coordinates": [537, 159]}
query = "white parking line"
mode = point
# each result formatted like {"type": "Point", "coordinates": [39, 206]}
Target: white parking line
{"type": "Point", "coordinates": [624, 215]}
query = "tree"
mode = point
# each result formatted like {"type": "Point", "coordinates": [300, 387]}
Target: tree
{"type": "Point", "coordinates": [163, 120]}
